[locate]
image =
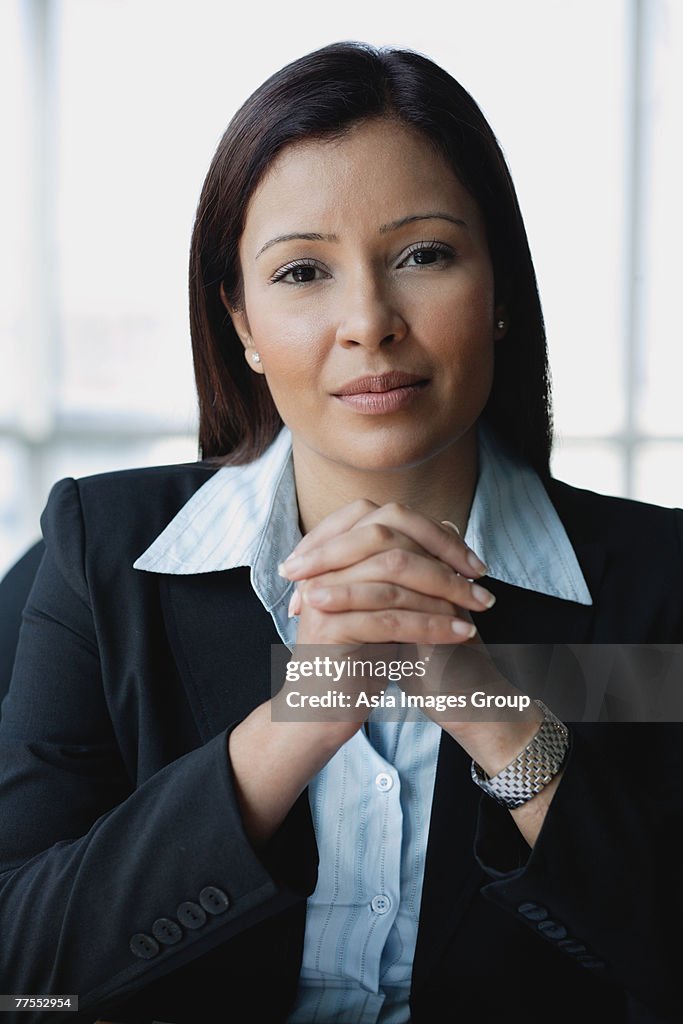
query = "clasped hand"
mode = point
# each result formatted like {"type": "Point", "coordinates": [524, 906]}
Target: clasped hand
{"type": "Point", "coordinates": [370, 574]}
{"type": "Point", "coordinates": [384, 574]}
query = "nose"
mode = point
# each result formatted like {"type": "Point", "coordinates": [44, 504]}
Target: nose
{"type": "Point", "coordinates": [369, 314]}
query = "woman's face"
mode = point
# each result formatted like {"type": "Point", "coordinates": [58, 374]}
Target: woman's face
{"type": "Point", "coordinates": [365, 258]}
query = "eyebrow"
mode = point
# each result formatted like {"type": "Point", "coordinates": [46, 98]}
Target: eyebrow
{"type": "Point", "coordinates": [396, 224]}
{"type": "Point", "coordinates": [315, 236]}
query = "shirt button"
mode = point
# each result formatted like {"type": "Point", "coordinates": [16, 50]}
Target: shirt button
{"type": "Point", "coordinates": [384, 782]}
{"type": "Point", "coordinates": [380, 904]}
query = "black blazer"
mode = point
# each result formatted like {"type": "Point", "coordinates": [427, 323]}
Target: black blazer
{"type": "Point", "coordinates": [14, 589]}
{"type": "Point", "coordinates": [125, 873]}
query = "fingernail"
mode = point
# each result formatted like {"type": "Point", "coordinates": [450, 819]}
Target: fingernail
{"type": "Point", "coordinates": [462, 628]}
{"type": "Point", "coordinates": [447, 522]}
{"type": "Point", "coordinates": [482, 595]}
{"type": "Point", "coordinates": [291, 564]}
{"type": "Point", "coordinates": [295, 603]}
{"type": "Point", "coordinates": [476, 563]}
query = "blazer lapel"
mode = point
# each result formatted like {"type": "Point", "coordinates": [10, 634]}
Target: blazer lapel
{"type": "Point", "coordinates": [220, 635]}
{"type": "Point", "coordinates": [452, 876]}
{"type": "Point", "coordinates": [527, 617]}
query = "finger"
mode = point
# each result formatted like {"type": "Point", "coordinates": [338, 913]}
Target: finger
{"type": "Point", "coordinates": [396, 625]}
{"type": "Point", "coordinates": [439, 539]}
{"type": "Point", "coordinates": [414, 571]}
{"type": "Point", "coordinates": [372, 597]}
{"type": "Point", "coordinates": [475, 640]}
{"type": "Point", "coordinates": [337, 522]}
{"type": "Point", "coordinates": [294, 607]}
{"type": "Point", "coordinates": [343, 550]}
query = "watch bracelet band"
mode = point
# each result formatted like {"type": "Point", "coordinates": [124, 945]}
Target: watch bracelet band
{"type": "Point", "coordinates": [533, 768]}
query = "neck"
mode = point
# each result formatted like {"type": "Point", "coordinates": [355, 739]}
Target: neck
{"type": "Point", "coordinates": [441, 487]}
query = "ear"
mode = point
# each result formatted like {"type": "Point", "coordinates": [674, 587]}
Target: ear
{"type": "Point", "coordinates": [501, 322]}
{"type": "Point", "coordinates": [243, 331]}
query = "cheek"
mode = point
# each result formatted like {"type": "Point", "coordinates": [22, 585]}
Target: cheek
{"type": "Point", "coordinates": [460, 323]}
{"type": "Point", "coordinates": [272, 329]}
{"type": "Point", "coordinates": [292, 351]}
{"type": "Point", "coordinates": [280, 322]}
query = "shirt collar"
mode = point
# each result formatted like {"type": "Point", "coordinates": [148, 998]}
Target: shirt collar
{"type": "Point", "coordinates": [248, 516]}
{"type": "Point", "coordinates": [243, 516]}
{"type": "Point", "coordinates": [515, 528]}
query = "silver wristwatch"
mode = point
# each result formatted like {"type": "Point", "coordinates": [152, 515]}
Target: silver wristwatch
{"type": "Point", "coordinates": [533, 768]}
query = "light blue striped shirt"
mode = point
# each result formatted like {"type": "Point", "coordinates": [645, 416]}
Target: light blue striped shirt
{"type": "Point", "coordinates": [362, 919]}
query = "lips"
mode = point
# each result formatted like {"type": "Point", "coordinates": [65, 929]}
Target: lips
{"type": "Point", "coordinates": [382, 394]}
{"type": "Point", "coordinates": [379, 383]}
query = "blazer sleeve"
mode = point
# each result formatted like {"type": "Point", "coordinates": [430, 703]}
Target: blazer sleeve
{"type": "Point", "coordinates": [602, 882]}
{"type": "Point", "coordinates": [90, 865]}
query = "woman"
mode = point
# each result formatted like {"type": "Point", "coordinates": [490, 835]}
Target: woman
{"type": "Point", "coordinates": [360, 274]}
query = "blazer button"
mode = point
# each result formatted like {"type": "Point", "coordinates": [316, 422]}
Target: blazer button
{"type": "Point", "coordinates": [143, 946]}
{"type": "Point", "coordinates": [590, 961]}
{"type": "Point", "coordinates": [532, 911]}
{"type": "Point", "coordinates": [213, 900]}
{"type": "Point", "coordinates": [166, 931]}
{"type": "Point", "coordinates": [572, 946]}
{"type": "Point", "coordinates": [552, 930]}
{"type": "Point", "coordinates": [191, 915]}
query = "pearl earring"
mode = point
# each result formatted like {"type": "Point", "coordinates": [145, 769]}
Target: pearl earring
{"type": "Point", "coordinates": [500, 324]}
{"type": "Point", "coordinates": [256, 357]}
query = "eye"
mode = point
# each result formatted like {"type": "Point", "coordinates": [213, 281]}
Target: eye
{"type": "Point", "coordinates": [427, 254]}
{"type": "Point", "coordinates": [298, 272]}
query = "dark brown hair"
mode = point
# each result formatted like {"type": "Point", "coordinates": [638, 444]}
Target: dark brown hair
{"type": "Point", "coordinates": [319, 96]}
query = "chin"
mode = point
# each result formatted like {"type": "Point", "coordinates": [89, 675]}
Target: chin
{"type": "Point", "coordinates": [390, 452]}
